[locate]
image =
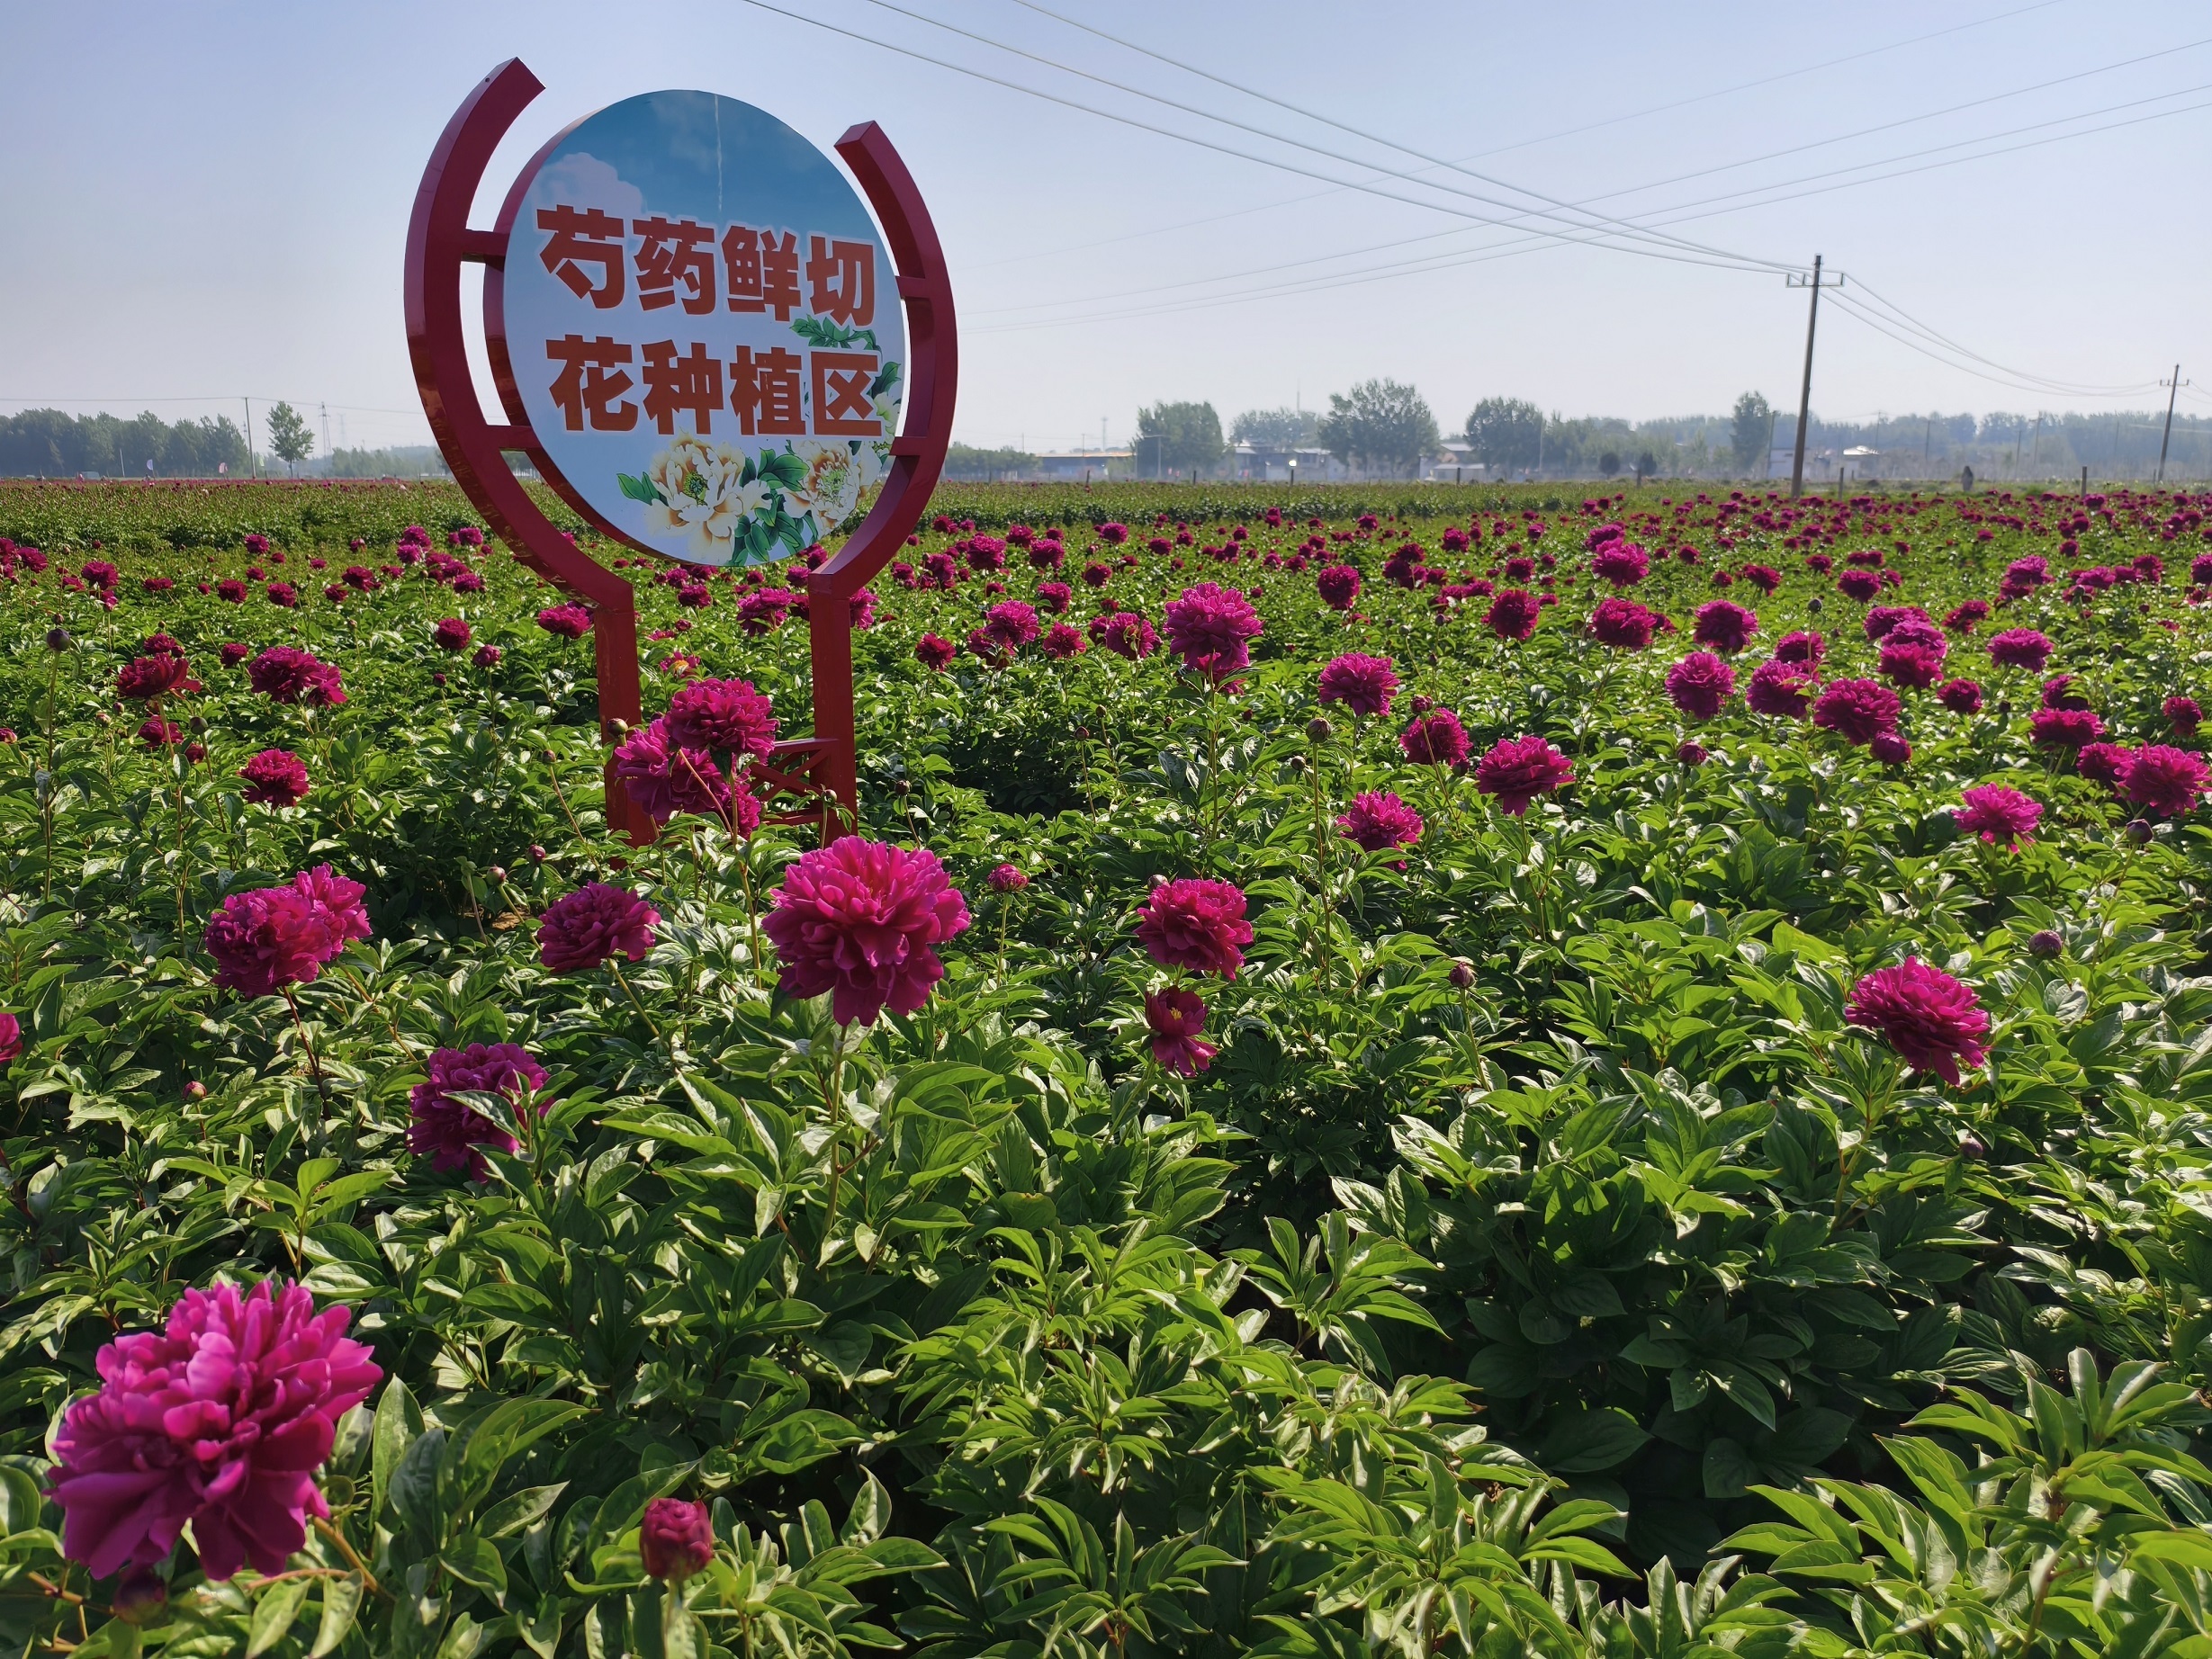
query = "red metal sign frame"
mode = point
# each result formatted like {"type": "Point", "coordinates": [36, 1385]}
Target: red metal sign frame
{"type": "Point", "coordinates": [820, 770]}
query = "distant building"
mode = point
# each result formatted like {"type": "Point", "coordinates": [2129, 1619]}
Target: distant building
{"type": "Point", "coordinates": [1454, 463]}
{"type": "Point", "coordinates": [1074, 466]}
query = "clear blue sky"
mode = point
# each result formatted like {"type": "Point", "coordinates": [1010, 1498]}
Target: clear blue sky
{"type": "Point", "coordinates": [209, 201]}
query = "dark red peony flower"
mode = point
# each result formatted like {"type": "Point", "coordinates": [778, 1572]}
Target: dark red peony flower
{"type": "Point", "coordinates": [220, 1420]}
{"type": "Point", "coordinates": [146, 678]}
{"type": "Point", "coordinates": [449, 1131]}
{"type": "Point", "coordinates": [451, 635]}
{"type": "Point", "coordinates": [582, 929]}
{"type": "Point", "coordinates": [1960, 696]}
{"type": "Point", "coordinates": [286, 674]}
{"type": "Point", "coordinates": [1435, 739]}
{"type": "Point", "coordinates": [1782, 688]}
{"type": "Point", "coordinates": [1623, 624]}
{"type": "Point", "coordinates": [1176, 1017]}
{"type": "Point", "coordinates": [1126, 634]}
{"type": "Point", "coordinates": [1197, 923]}
{"type": "Point", "coordinates": [665, 778]}
{"type": "Point", "coordinates": [274, 937]}
{"type": "Point", "coordinates": [1513, 614]}
{"type": "Point", "coordinates": [2182, 714]}
{"type": "Point", "coordinates": [1807, 648]}
{"type": "Point", "coordinates": [1013, 622]}
{"type": "Point", "coordinates": [723, 717]}
{"type": "Point", "coordinates": [1701, 685]}
{"type": "Point", "coordinates": [1209, 628]}
{"type": "Point", "coordinates": [1998, 813]}
{"type": "Point", "coordinates": [2020, 648]}
{"type": "Point", "coordinates": [1516, 770]}
{"type": "Point", "coordinates": [1005, 878]}
{"type": "Point", "coordinates": [1338, 585]}
{"type": "Point", "coordinates": [1621, 563]}
{"type": "Point", "coordinates": [566, 622]}
{"type": "Point", "coordinates": [859, 919]}
{"type": "Point", "coordinates": [2063, 728]}
{"type": "Point", "coordinates": [1062, 641]}
{"type": "Point", "coordinates": [1912, 665]}
{"type": "Point", "coordinates": [1362, 684]}
{"type": "Point", "coordinates": [1724, 625]}
{"type": "Point", "coordinates": [1928, 1017]}
{"type": "Point", "coordinates": [1856, 710]}
{"type": "Point", "coordinates": [935, 653]}
{"type": "Point", "coordinates": [675, 1539]}
{"type": "Point", "coordinates": [1860, 585]}
{"type": "Point", "coordinates": [274, 777]}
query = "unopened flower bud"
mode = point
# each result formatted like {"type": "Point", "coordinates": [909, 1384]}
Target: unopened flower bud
{"type": "Point", "coordinates": [2140, 831]}
{"type": "Point", "coordinates": [141, 1596]}
{"type": "Point", "coordinates": [537, 853]}
{"type": "Point", "coordinates": [195, 1090]}
{"type": "Point", "coordinates": [1463, 974]}
{"type": "Point", "coordinates": [1319, 730]}
{"type": "Point", "coordinates": [620, 728]}
{"type": "Point", "coordinates": [1691, 754]}
{"type": "Point", "coordinates": [499, 875]}
{"type": "Point", "coordinates": [1813, 604]}
{"type": "Point", "coordinates": [2043, 944]}
{"type": "Point", "coordinates": [676, 1538]}
{"type": "Point", "coordinates": [1971, 1147]}
{"type": "Point", "coordinates": [57, 639]}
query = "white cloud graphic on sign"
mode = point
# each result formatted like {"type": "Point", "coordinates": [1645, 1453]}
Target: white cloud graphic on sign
{"type": "Point", "coordinates": [583, 180]}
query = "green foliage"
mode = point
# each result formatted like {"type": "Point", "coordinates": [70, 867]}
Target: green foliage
{"type": "Point", "coordinates": [1507, 433]}
{"type": "Point", "coordinates": [1380, 426]}
{"type": "Point", "coordinates": [1177, 437]}
{"type": "Point", "coordinates": [291, 439]}
{"type": "Point", "coordinates": [1751, 433]}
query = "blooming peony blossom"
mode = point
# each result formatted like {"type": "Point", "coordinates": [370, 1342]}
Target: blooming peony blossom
{"type": "Point", "coordinates": [1013, 622]}
{"type": "Point", "coordinates": [1062, 641]}
{"type": "Point", "coordinates": [1701, 685]}
{"type": "Point", "coordinates": [582, 929]}
{"type": "Point", "coordinates": [1856, 710]}
{"type": "Point", "coordinates": [451, 635]}
{"type": "Point", "coordinates": [1806, 648]}
{"type": "Point", "coordinates": [1623, 624]}
{"type": "Point", "coordinates": [147, 679]}
{"type": "Point", "coordinates": [1513, 614]}
{"type": "Point", "coordinates": [675, 1539]}
{"type": "Point", "coordinates": [1197, 923]}
{"type": "Point", "coordinates": [665, 778]}
{"type": "Point", "coordinates": [1928, 1017]}
{"type": "Point", "coordinates": [2182, 714]}
{"type": "Point", "coordinates": [2020, 648]}
{"type": "Point", "coordinates": [1724, 625]}
{"type": "Point", "coordinates": [1338, 585]}
{"type": "Point", "coordinates": [1126, 634]}
{"type": "Point", "coordinates": [1362, 684]}
{"type": "Point", "coordinates": [1208, 627]}
{"type": "Point", "coordinates": [274, 777]}
{"type": "Point", "coordinates": [274, 937]}
{"type": "Point", "coordinates": [1860, 585]}
{"type": "Point", "coordinates": [723, 717]}
{"type": "Point", "coordinates": [1998, 813]}
{"type": "Point", "coordinates": [2162, 781]}
{"type": "Point", "coordinates": [1380, 821]}
{"type": "Point", "coordinates": [286, 674]}
{"type": "Point", "coordinates": [11, 1036]}
{"type": "Point", "coordinates": [2101, 763]}
{"type": "Point", "coordinates": [566, 622]}
{"type": "Point", "coordinates": [859, 919]}
{"type": "Point", "coordinates": [1911, 664]}
{"type": "Point", "coordinates": [1960, 696]}
{"type": "Point", "coordinates": [448, 1132]}
{"type": "Point", "coordinates": [1782, 688]}
{"type": "Point", "coordinates": [934, 652]}
{"type": "Point", "coordinates": [1621, 563]}
{"type": "Point", "coordinates": [2063, 728]}
{"type": "Point", "coordinates": [1435, 739]}
{"type": "Point", "coordinates": [1176, 1017]}
{"type": "Point", "coordinates": [1516, 770]}
{"type": "Point", "coordinates": [220, 1420]}
{"type": "Point", "coordinates": [1890, 748]}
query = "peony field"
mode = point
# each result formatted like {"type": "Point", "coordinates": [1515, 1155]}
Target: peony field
{"type": "Point", "coordinates": [1386, 1069]}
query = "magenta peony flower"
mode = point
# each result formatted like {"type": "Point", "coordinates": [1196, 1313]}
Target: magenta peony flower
{"type": "Point", "coordinates": [858, 919]}
{"type": "Point", "coordinates": [1126, 634]}
{"type": "Point", "coordinates": [1928, 1017]}
{"type": "Point", "coordinates": [1338, 585]}
{"type": "Point", "coordinates": [11, 1036]}
{"type": "Point", "coordinates": [1516, 770]}
{"type": "Point", "coordinates": [1995, 812]}
{"type": "Point", "coordinates": [1622, 623]}
{"type": "Point", "coordinates": [2020, 648]}
{"type": "Point", "coordinates": [1911, 665]}
{"type": "Point", "coordinates": [1513, 614]}
{"type": "Point", "coordinates": [2162, 781]}
{"type": "Point", "coordinates": [1054, 597]}
{"type": "Point", "coordinates": [2101, 763]}
{"type": "Point", "coordinates": [2063, 728]}
{"type": "Point", "coordinates": [1196, 923]}
{"type": "Point", "coordinates": [566, 622]}
{"type": "Point", "coordinates": [1435, 739]}
{"type": "Point", "coordinates": [1960, 696]}
{"type": "Point", "coordinates": [1890, 748]}
{"type": "Point", "coordinates": [451, 635]}
{"type": "Point", "coordinates": [664, 778]}
{"type": "Point", "coordinates": [1882, 620]}
{"type": "Point", "coordinates": [220, 1420]}
{"type": "Point", "coordinates": [1364, 684]}
{"type": "Point", "coordinates": [274, 937]}
{"type": "Point", "coordinates": [146, 678]}
{"type": "Point", "coordinates": [934, 652]}
{"type": "Point", "coordinates": [274, 777]}
{"type": "Point", "coordinates": [1379, 822]}
{"type": "Point", "coordinates": [1807, 648]}
{"type": "Point", "coordinates": [1701, 685]}
{"type": "Point", "coordinates": [233, 653]}
{"type": "Point", "coordinates": [1621, 563]}
{"type": "Point", "coordinates": [1724, 625]}
{"type": "Point", "coordinates": [1013, 622]}
{"type": "Point", "coordinates": [156, 732]}
{"type": "Point", "coordinates": [1006, 878]}
{"type": "Point", "coordinates": [1209, 628]}
{"type": "Point", "coordinates": [1691, 754]}
{"type": "Point", "coordinates": [1176, 1017]}
{"type": "Point", "coordinates": [1062, 641]}
{"type": "Point", "coordinates": [448, 1130]}
{"type": "Point", "coordinates": [675, 1539]}
{"type": "Point", "coordinates": [2058, 692]}
{"type": "Point", "coordinates": [1860, 585]}
{"type": "Point", "coordinates": [286, 674]}
{"type": "Point", "coordinates": [723, 717]}
{"type": "Point", "coordinates": [1856, 710]}
{"type": "Point", "coordinates": [2182, 714]}
{"type": "Point", "coordinates": [1782, 688]}
{"type": "Point", "coordinates": [582, 929]}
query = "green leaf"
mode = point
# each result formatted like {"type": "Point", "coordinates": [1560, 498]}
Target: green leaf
{"type": "Point", "coordinates": [1579, 1442]}
{"type": "Point", "coordinates": [637, 488]}
{"type": "Point", "coordinates": [341, 1604]}
{"type": "Point", "coordinates": [273, 1614]}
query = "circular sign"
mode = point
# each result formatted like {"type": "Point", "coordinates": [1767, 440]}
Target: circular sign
{"type": "Point", "coordinates": [704, 328]}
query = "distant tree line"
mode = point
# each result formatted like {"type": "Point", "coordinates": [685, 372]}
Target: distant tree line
{"type": "Point", "coordinates": [48, 443]}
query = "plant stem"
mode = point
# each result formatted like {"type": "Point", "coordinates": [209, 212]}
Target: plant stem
{"type": "Point", "coordinates": [635, 1003]}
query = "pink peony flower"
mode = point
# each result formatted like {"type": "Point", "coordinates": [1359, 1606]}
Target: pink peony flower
{"type": "Point", "coordinates": [1928, 1017]}
{"type": "Point", "coordinates": [1960, 696]}
{"type": "Point", "coordinates": [1856, 710]}
{"type": "Point", "coordinates": [146, 678]}
{"type": "Point", "coordinates": [1176, 1017]}
{"type": "Point", "coordinates": [723, 717]}
{"type": "Point", "coordinates": [2101, 763]}
{"type": "Point", "coordinates": [451, 635]}
{"type": "Point", "coordinates": [2162, 780]}
{"type": "Point", "coordinates": [1061, 642]}
{"type": "Point", "coordinates": [1435, 739]}
{"type": "Point", "coordinates": [935, 653]}
{"type": "Point", "coordinates": [1513, 614]}
{"type": "Point", "coordinates": [1338, 585]}
{"type": "Point", "coordinates": [11, 1036]}
{"type": "Point", "coordinates": [1995, 813]}
{"type": "Point", "coordinates": [2182, 714]}
{"type": "Point", "coordinates": [1724, 625]}
{"type": "Point", "coordinates": [2020, 648]}
{"type": "Point", "coordinates": [1516, 770]}
{"type": "Point", "coordinates": [1807, 648]}
{"type": "Point", "coordinates": [1013, 622]}
{"type": "Point", "coordinates": [1208, 627]}
{"type": "Point", "coordinates": [286, 674]}
{"type": "Point", "coordinates": [582, 929]}
{"type": "Point", "coordinates": [1621, 563]}
{"type": "Point", "coordinates": [675, 1539]}
{"type": "Point", "coordinates": [858, 919]}
{"type": "Point", "coordinates": [1623, 624]}
{"type": "Point", "coordinates": [1197, 923]}
{"type": "Point", "coordinates": [220, 1420]}
{"type": "Point", "coordinates": [1362, 684]}
{"type": "Point", "coordinates": [1701, 685]}
{"type": "Point", "coordinates": [274, 937]}
{"type": "Point", "coordinates": [2063, 728]}
{"type": "Point", "coordinates": [1126, 634]}
{"type": "Point", "coordinates": [448, 1130]}
{"type": "Point", "coordinates": [566, 622]}
{"type": "Point", "coordinates": [1380, 821]}
{"type": "Point", "coordinates": [274, 777]}
{"type": "Point", "coordinates": [664, 778]}
{"type": "Point", "coordinates": [1911, 665]}
{"type": "Point", "coordinates": [1782, 688]}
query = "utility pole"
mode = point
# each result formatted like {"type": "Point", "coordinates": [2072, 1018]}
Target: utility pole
{"type": "Point", "coordinates": [1804, 395]}
{"type": "Point", "coordinates": [2173, 390]}
{"type": "Point", "coordinates": [325, 430]}
{"type": "Point", "coordinates": [252, 463]}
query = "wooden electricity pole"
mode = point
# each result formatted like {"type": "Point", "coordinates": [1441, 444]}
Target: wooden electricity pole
{"type": "Point", "coordinates": [1804, 395]}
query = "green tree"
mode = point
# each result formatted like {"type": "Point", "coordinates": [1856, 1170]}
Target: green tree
{"type": "Point", "coordinates": [1505, 433]}
{"type": "Point", "coordinates": [1278, 428]}
{"type": "Point", "coordinates": [1176, 437]}
{"type": "Point", "coordinates": [1382, 424]}
{"type": "Point", "coordinates": [1752, 433]}
{"type": "Point", "coordinates": [289, 439]}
